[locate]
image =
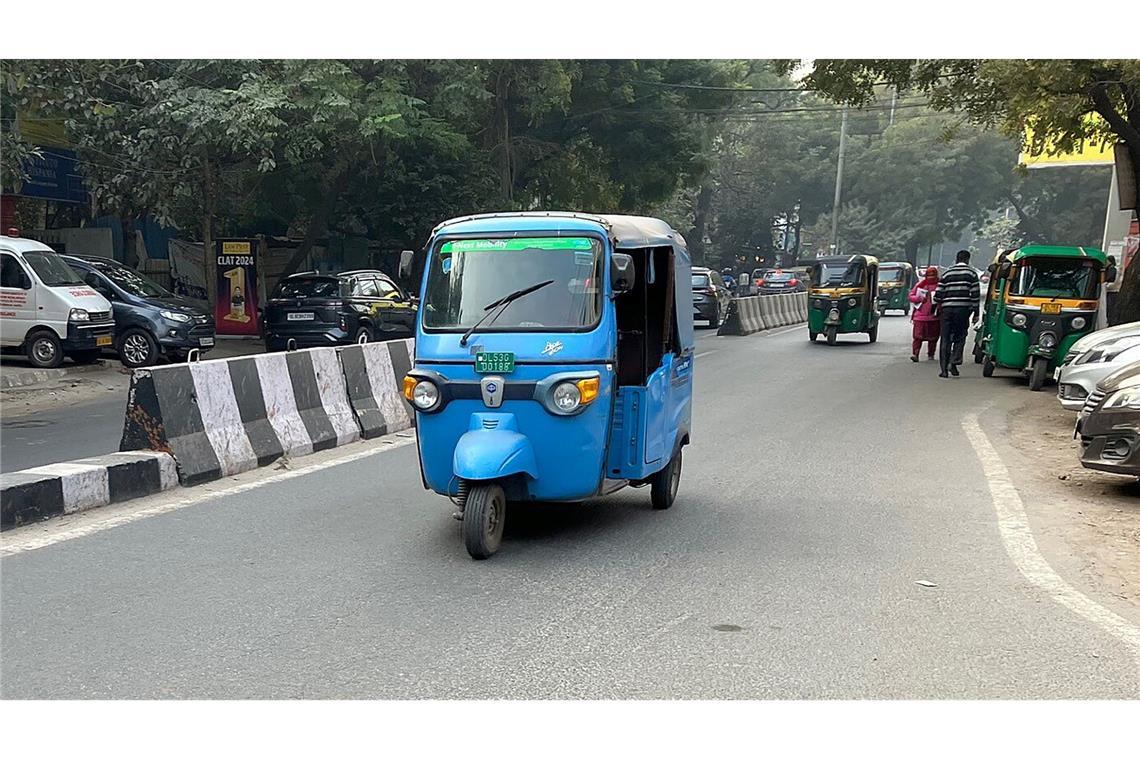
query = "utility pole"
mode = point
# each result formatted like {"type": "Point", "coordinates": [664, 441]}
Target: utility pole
{"type": "Point", "coordinates": [894, 97]}
{"type": "Point", "coordinates": [838, 182]}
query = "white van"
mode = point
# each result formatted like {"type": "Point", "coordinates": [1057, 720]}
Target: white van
{"type": "Point", "coordinates": [46, 309]}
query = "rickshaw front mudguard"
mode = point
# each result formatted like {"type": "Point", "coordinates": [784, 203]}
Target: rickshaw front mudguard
{"type": "Point", "coordinates": [493, 449]}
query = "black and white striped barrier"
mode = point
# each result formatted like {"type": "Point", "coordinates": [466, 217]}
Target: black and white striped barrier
{"type": "Point", "coordinates": [226, 416]}
{"type": "Point", "coordinates": [373, 373]}
{"type": "Point", "coordinates": [30, 495]}
{"type": "Point", "coordinates": [756, 313]}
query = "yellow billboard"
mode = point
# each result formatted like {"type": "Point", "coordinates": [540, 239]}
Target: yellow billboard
{"type": "Point", "coordinates": [1036, 154]}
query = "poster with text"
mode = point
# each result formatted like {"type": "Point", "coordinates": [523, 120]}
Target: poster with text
{"type": "Point", "coordinates": [235, 312]}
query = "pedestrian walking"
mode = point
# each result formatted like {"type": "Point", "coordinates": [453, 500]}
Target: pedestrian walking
{"type": "Point", "coordinates": [924, 316]}
{"type": "Point", "coordinates": [956, 299]}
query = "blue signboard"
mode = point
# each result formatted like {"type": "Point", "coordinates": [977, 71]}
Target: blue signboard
{"type": "Point", "coordinates": [54, 175]}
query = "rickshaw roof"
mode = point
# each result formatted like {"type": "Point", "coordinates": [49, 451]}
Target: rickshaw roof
{"type": "Point", "coordinates": [839, 260]}
{"type": "Point", "coordinates": [889, 264]}
{"type": "Point", "coordinates": [626, 231]}
{"type": "Point", "coordinates": [1059, 251]}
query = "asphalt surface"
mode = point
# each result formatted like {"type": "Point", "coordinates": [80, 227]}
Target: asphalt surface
{"type": "Point", "coordinates": [821, 484]}
{"type": "Point", "coordinates": [72, 432]}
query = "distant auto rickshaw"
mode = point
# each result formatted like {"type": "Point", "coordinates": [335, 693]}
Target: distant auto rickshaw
{"type": "Point", "coordinates": [843, 297]}
{"type": "Point", "coordinates": [896, 278]}
{"type": "Point", "coordinates": [1041, 299]}
{"type": "Point", "coordinates": [571, 393]}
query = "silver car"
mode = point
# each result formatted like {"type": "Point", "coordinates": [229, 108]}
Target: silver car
{"type": "Point", "coordinates": [1086, 365]}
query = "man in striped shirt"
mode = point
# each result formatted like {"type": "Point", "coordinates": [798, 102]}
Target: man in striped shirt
{"type": "Point", "coordinates": [957, 299]}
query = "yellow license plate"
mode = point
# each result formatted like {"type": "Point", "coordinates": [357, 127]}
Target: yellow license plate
{"type": "Point", "coordinates": [1050, 308]}
{"type": "Point", "coordinates": [103, 340]}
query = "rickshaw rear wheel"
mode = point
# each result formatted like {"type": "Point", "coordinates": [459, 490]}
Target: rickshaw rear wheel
{"type": "Point", "coordinates": [1037, 374]}
{"type": "Point", "coordinates": [663, 485]}
{"type": "Point", "coordinates": [484, 515]}
{"type": "Point", "coordinates": [832, 333]}
{"type": "Point", "coordinates": [812, 336]}
{"type": "Point", "coordinates": [987, 367]}
{"type": "Point", "coordinates": [873, 333]}
{"type": "Point", "coordinates": [978, 355]}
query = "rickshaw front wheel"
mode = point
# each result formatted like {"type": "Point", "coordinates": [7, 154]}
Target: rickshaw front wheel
{"type": "Point", "coordinates": [978, 355]}
{"type": "Point", "coordinates": [832, 333]}
{"type": "Point", "coordinates": [1037, 374]}
{"type": "Point", "coordinates": [663, 485]}
{"type": "Point", "coordinates": [987, 367]}
{"type": "Point", "coordinates": [812, 336]}
{"type": "Point", "coordinates": [484, 515]}
{"type": "Point", "coordinates": [873, 333]}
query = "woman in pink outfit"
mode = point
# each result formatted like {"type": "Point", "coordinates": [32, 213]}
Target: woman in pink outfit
{"type": "Point", "coordinates": [926, 327]}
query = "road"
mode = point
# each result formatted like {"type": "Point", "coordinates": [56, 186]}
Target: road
{"type": "Point", "coordinates": [822, 483]}
{"type": "Point", "coordinates": [81, 430]}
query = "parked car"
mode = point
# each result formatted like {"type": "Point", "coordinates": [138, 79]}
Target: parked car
{"type": "Point", "coordinates": [1109, 423]}
{"type": "Point", "coordinates": [311, 309]}
{"type": "Point", "coordinates": [710, 297]}
{"type": "Point", "coordinates": [150, 321]}
{"type": "Point", "coordinates": [46, 309]}
{"type": "Point", "coordinates": [1087, 365]}
{"type": "Point", "coordinates": [778, 281]}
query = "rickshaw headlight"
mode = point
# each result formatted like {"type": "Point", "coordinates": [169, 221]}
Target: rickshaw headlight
{"type": "Point", "coordinates": [1079, 323]}
{"type": "Point", "coordinates": [851, 302]}
{"type": "Point", "coordinates": [567, 397]}
{"type": "Point", "coordinates": [425, 395]}
{"type": "Point", "coordinates": [1047, 340]}
{"type": "Point", "coordinates": [1019, 320]}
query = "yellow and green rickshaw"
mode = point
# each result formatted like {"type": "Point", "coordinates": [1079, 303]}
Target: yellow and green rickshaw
{"type": "Point", "coordinates": [1041, 299]}
{"type": "Point", "coordinates": [843, 297]}
{"type": "Point", "coordinates": [896, 278]}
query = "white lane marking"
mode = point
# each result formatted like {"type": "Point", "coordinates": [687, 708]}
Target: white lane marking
{"type": "Point", "coordinates": [28, 539]}
{"type": "Point", "coordinates": [704, 353]}
{"type": "Point", "coordinates": [1022, 549]}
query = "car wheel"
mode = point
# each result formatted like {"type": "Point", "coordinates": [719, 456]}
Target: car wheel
{"type": "Point", "coordinates": [137, 348]}
{"type": "Point", "coordinates": [43, 350]}
{"type": "Point", "coordinates": [363, 335]}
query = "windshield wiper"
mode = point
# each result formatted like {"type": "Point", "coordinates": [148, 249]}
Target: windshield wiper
{"type": "Point", "coordinates": [503, 302]}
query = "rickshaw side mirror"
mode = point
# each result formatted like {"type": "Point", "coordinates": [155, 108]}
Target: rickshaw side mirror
{"type": "Point", "coordinates": [1110, 273]}
{"type": "Point", "coordinates": [1004, 270]}
{"type": "Point", "coordinates": [622, 274]}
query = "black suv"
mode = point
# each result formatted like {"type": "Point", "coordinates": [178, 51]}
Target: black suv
{"type": "Point", "coordinates": [150, 321]}
{"type": "Point", "coordinates": [311, 309]}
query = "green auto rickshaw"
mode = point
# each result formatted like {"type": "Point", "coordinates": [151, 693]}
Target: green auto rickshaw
{"type": "Point", "coordinates": [896, 278]}
{"type": "Point", "coordinates": [1040, 300]}
{"type": "Point", "coordinates": [843, 297]}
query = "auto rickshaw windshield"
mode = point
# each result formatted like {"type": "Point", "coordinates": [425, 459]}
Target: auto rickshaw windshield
{"type": "Point", "coordinates": [1056, 278]}
{"type": "Point", "coordinates": [464, 276]}
{"type": "Point", "coordinates": [842, 275]}
{"type": "Point", "coordinates": [891, 275]}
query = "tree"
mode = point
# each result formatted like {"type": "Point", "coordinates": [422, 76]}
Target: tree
{"type": "Point", "coordinates": [1052, 98]}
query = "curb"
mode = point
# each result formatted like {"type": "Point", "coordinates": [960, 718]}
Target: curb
{"type": "Point", "coordinates": [27, 496]}
{"type": "Point", "coordinates": [18, 377]}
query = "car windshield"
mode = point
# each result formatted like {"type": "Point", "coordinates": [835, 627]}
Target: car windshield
{"type": "Point", "coordinates": [700, 281]}
{"type": "Point", "coordinates": [466, 275]}
{"type": "Point", "coordinates": [309, 287]}
{"type": "Point", "coordinates": [891, 275]}
{"type": "Point", "coordinates": [839, 275]}
{"type": "Point", "coordinates": [1056, 278]}
{"type": "Point", "coordinates": [51, 269]}
{"type": "Point", "coordinates": [133, 282]}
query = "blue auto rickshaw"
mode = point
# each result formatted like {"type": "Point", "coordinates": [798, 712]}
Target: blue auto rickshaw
{"type": "Point", "coordinates": [553, 362]}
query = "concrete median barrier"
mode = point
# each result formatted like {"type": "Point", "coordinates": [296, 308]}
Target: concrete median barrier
{"type": "Point", "coordinates": [374, 374]}
{"type": "Point", "coordinates": [27, 496]}
{"type": "Point", "coordinates": [753, 314]}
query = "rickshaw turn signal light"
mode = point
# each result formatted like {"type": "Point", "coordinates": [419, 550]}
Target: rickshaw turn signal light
{"type": "Point", "coordinates": [589, 389]}
{"type": "Point", "coordinates": [409, 386]}
{"type": "Point", "coordinates": [1087, 305]}
{"type": "Point", "coordinates": [1016, 301]}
